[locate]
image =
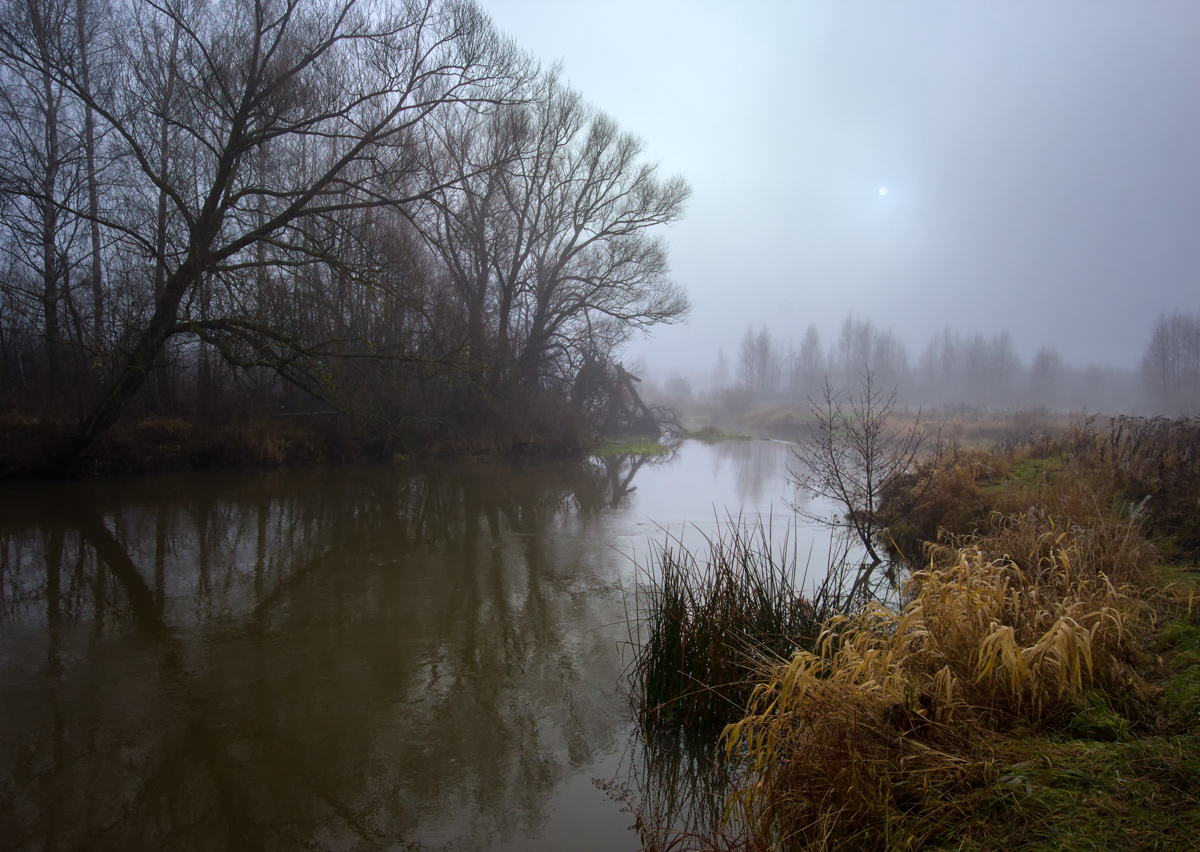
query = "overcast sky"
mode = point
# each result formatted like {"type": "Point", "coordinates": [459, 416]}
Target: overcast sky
{"type": "Point", "coordinates": [1041, 161]}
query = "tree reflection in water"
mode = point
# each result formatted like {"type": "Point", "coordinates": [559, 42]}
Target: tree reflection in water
{"type": "Point", "coordinates": [342, 658]}
{"type": "Point", "coordinates": [675, 788]}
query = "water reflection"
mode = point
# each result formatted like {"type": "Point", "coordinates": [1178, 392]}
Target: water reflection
{"type": "Point", "coordinates": [755, 464]}
{"type": "Point", "coordinates": [676, 786]}
{"type": "Point", "coordinates": [417, 657]}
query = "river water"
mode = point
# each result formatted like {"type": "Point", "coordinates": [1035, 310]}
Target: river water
{"type": "Point", "coordinates": [417, 656]}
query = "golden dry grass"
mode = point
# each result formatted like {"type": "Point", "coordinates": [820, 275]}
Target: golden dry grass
{"type": "Point", "coordinates": [1010, 697]}
{"type": "Point", "coordinates": [883, 722]}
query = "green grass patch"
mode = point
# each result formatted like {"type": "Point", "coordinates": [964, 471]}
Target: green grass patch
{"type": "Point", "coordinates": [1083, 795]}
{"type": "Point", "coordinates": [1022, 475]}
{"type": "Point", "coordinates": [1180, 643]}
{"type": "Point", "coordinates": [622, 445]}
{"type": "Point", "coordinates": [1102, 781]}
{"type": "Point", "coordinates": [1032, 472]}
{"type": "Point", "coordinates": [712, 435]}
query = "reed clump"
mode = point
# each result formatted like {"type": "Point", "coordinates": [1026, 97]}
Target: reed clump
{"type": "Point", "coordinates": [878, 732]}
{"type": "Point", "coordinates": [707, 618]}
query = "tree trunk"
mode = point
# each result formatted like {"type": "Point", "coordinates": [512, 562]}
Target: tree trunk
{"type": "Point", "coordinates": [141, 360]}
{"type": "Point", "coordinates": [89, 144]}
{"type": "Point", "coordinates": [160, 387]}
{"type": "Point", "coordinates": [50, 229]}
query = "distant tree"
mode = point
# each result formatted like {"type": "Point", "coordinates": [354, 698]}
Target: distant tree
{"type": "Point", "coordinates": [852, 352]}
{"type": "Point", "coordinates": [807, 367]}
{"type": "Point", "coordinates": [721, 370]}
{"type": "Point", "coordinates": [972, 370]}
{"type": "Point", "coordinates": [1045, 377]}
{"type": "Point", "coordinates": [862, 347]}
{"type": "Point", "coordinates": [939, 369]}
{"type": "Point", "coordinates": [1170, 365]}
{"type": "Point", "coordinates": [889, 360]}
{"type": "Point", "coordinates": [1004, 367]}
{"type": "Point", "coordinates": [758, 363]}
{"type": "Point", "coordinates": [678, 389]}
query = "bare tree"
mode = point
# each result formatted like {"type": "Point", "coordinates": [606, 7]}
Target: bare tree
{"type": "Point", "coordinates": [1045, 377]}
{"type": "Point", "coordinates": [480, 237]}
{"type": "Point", "coordinates": [36, 170]}
{"type": "Point", "coordinates": [849, 456]}
{"type": "Point", "coordinates": [1170, 366]}
{"type": "Point", "coordinates": [720, 376]}
{"type": "Point", "coordinates": [545, 226]}
{"type": "Point", "coordinates": [861, 346]}
{"type": "Point", "coordinates": [808, 368]}
{"type": "Point", "coordinates": [84, 24]}
{"type": "Point", "coordinates": [334, 88]}
{"type": "Point", "coordinates": [596, 274]}
{"type": "Point", "coordinates": [758, 363]}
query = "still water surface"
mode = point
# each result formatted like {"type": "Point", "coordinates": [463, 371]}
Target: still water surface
{"type": "Point", "coordinates": [399, 657]}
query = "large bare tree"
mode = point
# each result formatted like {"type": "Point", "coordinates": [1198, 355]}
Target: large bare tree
{"type": "Point", "coordinates": [553, 248]}
{"type": "Point", "coordinates": [206, 93]}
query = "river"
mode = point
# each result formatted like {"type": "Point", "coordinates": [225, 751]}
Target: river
{"type": "Point", "coordinates": [415, 656]}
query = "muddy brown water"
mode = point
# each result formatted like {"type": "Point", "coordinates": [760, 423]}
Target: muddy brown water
{"type": "Point", "coordinates": [424, 656]}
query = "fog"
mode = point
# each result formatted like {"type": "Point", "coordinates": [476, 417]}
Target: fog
{"type": "Point", "coordinates": [1040, 160]}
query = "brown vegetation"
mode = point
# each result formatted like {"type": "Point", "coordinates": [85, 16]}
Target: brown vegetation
{"type": "Point", "coordinates": [884, 721]}
{"type": "Point", "coordinates": [1010, 695]}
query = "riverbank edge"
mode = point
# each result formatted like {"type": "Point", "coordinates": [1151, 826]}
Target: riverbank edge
{"type": "Point", "coordinates": [154, 444]}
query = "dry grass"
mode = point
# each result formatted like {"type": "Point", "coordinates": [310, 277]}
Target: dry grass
{"type": "Point", "coordinates": [959, 493]}
{"type": "Point", "coordinates": [1010, 697]}
{"type": "Point", "coordinates": [1035, 428]}
{"type": "Point", "coordinates": [887, 721]}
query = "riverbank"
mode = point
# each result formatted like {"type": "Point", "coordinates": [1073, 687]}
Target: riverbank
{"type": "Point", "coordinates": [153, 443]}
{"type": "Point", "coordinates": [1034, 684]}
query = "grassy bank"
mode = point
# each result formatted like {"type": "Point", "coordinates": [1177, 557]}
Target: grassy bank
{"type": "Point", "coordinates": [712, 435]}
{"type": "Point", "coordinates": [1035, 683]}
{"type": "Point", "coordinates": [630, 445]}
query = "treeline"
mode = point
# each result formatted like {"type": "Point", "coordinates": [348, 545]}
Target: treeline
{"type": "Point", "coordinates": [954, 370]}
{"type": "Point", "coordinates": [1170, 366]}
{"type": "Point", "coordinates": [384, 208]}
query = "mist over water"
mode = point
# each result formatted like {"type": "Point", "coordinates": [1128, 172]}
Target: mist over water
{"type": "Point", "coordinates": [950, 372]}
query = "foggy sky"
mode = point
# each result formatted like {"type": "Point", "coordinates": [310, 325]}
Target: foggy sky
{"type": "Point", "coordinates": [1042, 162]}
